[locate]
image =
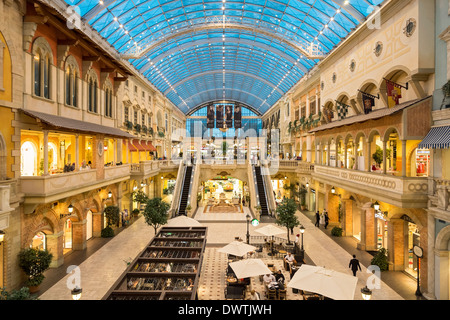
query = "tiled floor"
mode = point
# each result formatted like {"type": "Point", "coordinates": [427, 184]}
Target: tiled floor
{"type": "Point", "coordinates": [104, 267]}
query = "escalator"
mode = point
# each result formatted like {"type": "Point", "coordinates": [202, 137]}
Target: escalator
{"type": "Point", "coordinates": [185, 191]}
{"type": "Point", "coordinates": [261, 192]}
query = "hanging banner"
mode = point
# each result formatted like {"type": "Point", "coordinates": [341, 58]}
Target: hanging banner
{"type": "Point", "coordinates": [219, 116]}
{"type": "Point", "coordinates": [394, 93]}
{"type": "Point", "coordinates": [229, 115]}
{"type": "Point", "coordinates": [342, 110]}
{"type": "Point", "coordinates": [368, 102]}
{"type": "Point", "coordinates": [210, 117]}
{"type": "Point", "coordinates": [237, 117]}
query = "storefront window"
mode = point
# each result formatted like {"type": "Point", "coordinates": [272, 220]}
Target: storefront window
{"type": "Point", "coordinates": [421, 163]}
{"type": "Point", "coordinates": [413, 240]}
{"type": "Point", "coordinates": [67, 235]}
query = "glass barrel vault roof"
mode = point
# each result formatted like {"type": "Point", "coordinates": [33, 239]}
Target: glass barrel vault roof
{"type": "Point", "coordinates": [252, 51]}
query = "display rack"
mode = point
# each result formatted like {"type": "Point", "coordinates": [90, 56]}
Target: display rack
{"type": "Point", "coordinates": [167, 269]}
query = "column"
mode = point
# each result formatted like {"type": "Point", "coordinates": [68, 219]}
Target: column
{"type": "Point", "coordinates": [362, 243]}
{"type": "Point", "coordinates": [79, 235]}
{"type": "Point", "coordinates": [403, 158]}
{"type": "Point", "coordinates": [398, 244]}
{"type": "Point", "coordinates": [369, 157]}
{"type": "Point", "coordinates": [77, 151]}
{"type": "Point", "coordinates": [328, 154]}
{"type": "Point", "coordinates": [45, 152]}
{"type": "Point", "coordinates": [384, 156]}
{"type": "Point", "coordinates": [345, 156]}
{"type": "Point", "coordinates": [368, 219]}
{"type": "Point", "coordinates": [55, 247]}
{"type": "Point", "coordinates": [97, 224]}
{"type": "Point", "coordinates": [347, 224]}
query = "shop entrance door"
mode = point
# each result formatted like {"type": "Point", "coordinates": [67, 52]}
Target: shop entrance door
{"type": "Point", "coordinates": [67, 241]}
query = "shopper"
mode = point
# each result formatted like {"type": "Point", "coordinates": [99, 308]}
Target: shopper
{"type": "Point", "coordinates": [354, 265]}
{"type": "Point", "coordinates": [327, 219]}
{"type": "Point", "coordinates": [317, 219]}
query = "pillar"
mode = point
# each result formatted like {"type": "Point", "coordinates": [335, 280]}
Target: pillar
{"type": "Point", "coordinates": [328, 154]}
{"type": "Point", "coordinates": [79, 235]}
{"type": "Point", "coordinates": [345, 155]}
{"type": "Point", "coordinates": [97, 224]}
{"type": "Point", "coordinates": [369, 157]}
{"type": "Point", "coordinates": [45, 152]}
{"type": "Point", "coordinates": [347, 222]}
{"type": "Point", "coordinates": [55, 247]}
{"type": "Point", "coordinates": [368, 230]}
{"type": "Point", "coordinates": [403, 158]}
{"type": "Point", "coordinates": [384, 156]}
{"type": "Point", "coordinates": [77, 151]}
{"type": "Point", "coordinates": [308, 149]}
{"type": "Point", "coordinates": [397, 249]}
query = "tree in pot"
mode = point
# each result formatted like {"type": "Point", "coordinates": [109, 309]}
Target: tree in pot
{"type": "Point", "coordinates": [112, 216]}
{"type": "Point", "coordinates": [302, 194]}
{"type": "Point", "coordinates": [155, 213]}
{"type": "Point", "coordinates": [286, 215]}
{"type": "Point", "coordinates": [34, 262]}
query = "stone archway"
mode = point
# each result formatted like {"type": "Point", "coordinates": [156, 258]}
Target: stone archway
{"type": "Point", "coordinates": [442, 264]}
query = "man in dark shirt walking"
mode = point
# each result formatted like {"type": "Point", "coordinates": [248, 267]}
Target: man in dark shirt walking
{"type": "Point", "coordinates": [317, 219]}
{"type": "Point", "coordinates": [354, 265]}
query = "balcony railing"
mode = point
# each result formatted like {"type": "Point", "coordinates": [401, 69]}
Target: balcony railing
{"type": "Point", "coordinates": [402, 189]}
{"type": "Point", "coordinates": [52, 184]}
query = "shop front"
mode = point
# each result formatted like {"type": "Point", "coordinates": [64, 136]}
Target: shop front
{"type": "Point", "coordinates": [413, 239]}
{"type": "Point", "coordinates": [223, 194]}
{"type": "Point", "coordinates": [278, 186]}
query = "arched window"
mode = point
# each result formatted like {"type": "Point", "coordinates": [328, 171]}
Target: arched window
{"type": "Point", "coordinates": [42, 56]}
{"type": "Point", "coordinates": [71, 79]}
{"type": "Point", "coordinates": [108, 100]}
{"type": "Point", "coordinates": [92, 92]}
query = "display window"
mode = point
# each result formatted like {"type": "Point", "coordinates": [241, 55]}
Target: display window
{"type": "Point", "coordinates": [413, 240]}
{"type": "Point", "coordinates": [422, 162]}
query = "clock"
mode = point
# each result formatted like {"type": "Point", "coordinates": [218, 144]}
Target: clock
{"type": "Point", "coordinates": [100, 148]}
{"type": "Point", "coordinates": [418, 251]}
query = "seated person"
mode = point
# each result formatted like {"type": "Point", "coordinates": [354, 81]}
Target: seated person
{"type": "Point", "coordinates": [279, 276]}
{"type": "Point", "coordinates": [289, 259]}
{"type": "Point", "coordinates": [254, 295]}
{"type": "Point", "coordinates": [268, 278]}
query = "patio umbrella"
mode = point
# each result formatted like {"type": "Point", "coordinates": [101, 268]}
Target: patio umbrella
{"type": "Point", "coordinates": [270, 230]}
{"type": "Point", "coordinates": [237, 248]}
{"type": "Point", "coordinates": [183, 221]}
{"type": "Point", "coordinates": [249, 268]}
{"type": "Point", "coordinates": [329, 283]}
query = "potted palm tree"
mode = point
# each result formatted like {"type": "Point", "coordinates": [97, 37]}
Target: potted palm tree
{"type": "Point", "coordinates": [188, 209]}
{"type": "Point", "coordinates": [34, 262]}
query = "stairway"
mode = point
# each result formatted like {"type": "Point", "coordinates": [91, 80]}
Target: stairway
{"type": "Point", "coordinates": [261, 192]}
{"type": "Point", "coordinates": [185, 190]}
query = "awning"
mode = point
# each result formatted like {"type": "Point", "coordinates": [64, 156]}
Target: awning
{"type": "Point", "coordinates": [129, 145]}
{"type": "Point", "coordinates": [437, 138]}
{"type": "Point", "coordinates": [138, 146]}
{"type": "Point", "coordinates": [149, 146]}
{"type": "Point", "coordinates": [67, 124]}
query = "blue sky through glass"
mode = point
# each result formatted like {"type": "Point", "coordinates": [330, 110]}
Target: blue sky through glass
{"type": "Point", "coordinates": [251, 51]}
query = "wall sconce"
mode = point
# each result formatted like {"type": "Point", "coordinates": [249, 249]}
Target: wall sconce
{"type": "Point", "coordinates": [109, 194]}
{"type": "Point", "coordinates": [70, 208]}
{"type": "Point", "coordinates": [2, 236]}
{"type": "Point", "coordinates": [376, 206]}
{"type": "Point", "coordinates": [333, 190]}
{"type": "Point", "coordinates": [307, 184]}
